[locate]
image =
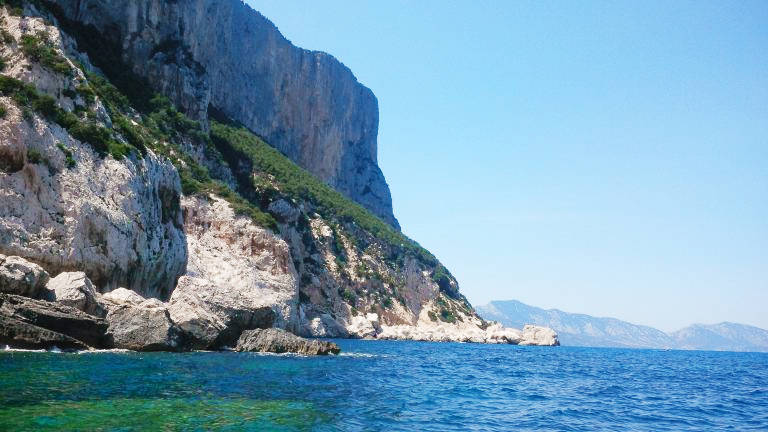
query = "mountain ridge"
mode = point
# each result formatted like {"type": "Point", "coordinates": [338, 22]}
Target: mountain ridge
{"type": "Point", "coordinates": [576, 329]}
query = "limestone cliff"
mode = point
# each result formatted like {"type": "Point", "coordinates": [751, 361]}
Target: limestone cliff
{"type": "Point", "coordinates": [69, 209]}
{"type": "Point", "coordinates": [223, 54]}
{"type": "Point", "coordinates": [187, 234]}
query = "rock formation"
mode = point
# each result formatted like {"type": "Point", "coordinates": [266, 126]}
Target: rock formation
{"type": "Point", "coordinates": [76, 290]}
{"type": "Point", "coordinates": [140, 325]}
{"type": "Point", "coordinates": [239, 276]}
{"type": "Point", "coordinates": [222, 53]}
{"type": "Point", "coordinates": [169, 235]}
{"type": "Point", "coordinates": [279, 341]}
{"type": "Point", "coordinates": [42, 315]}
{"type": "Point", "coordinates": [19, 276]}
{"type": "Point", "coordinates": [66, 208]}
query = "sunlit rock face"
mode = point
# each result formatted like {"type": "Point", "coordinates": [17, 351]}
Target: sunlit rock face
{"type": "Point", "coordinates": [223, 54]}
{"type": "Point", "coordinates": [65, 208]}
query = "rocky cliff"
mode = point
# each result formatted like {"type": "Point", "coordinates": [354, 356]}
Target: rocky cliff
{"type": "Point", "coordinates": [224, 55]}
{"type": "Point", "coordinates": [69, 209]}
{"type": "Point", "coordinates": [178, 234]}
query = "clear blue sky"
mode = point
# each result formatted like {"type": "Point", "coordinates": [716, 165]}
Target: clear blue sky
{"type": "Point", "coordinates": [609, 158]}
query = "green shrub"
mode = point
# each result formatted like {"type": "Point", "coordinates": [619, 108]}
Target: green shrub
{"type": "Point", "coordinates": [130, 132]}
{"type": "Point", "coordinates": [348, 296]}
{"type": "Point", "coordinates": [447, 316]}
{"type": "Point", "coordinates": [45, 106]}
{"type": "Point", "coordinates": [110, 95]}
{"type": "Point", "coordinates": [66, 119]}
{"type": "Point", "coordinates": [70, 161]}
{"type": "Point", "coordinates": [3, 111]}
{"type": "Point", "coordinates": [34, 156]}
{"type": "Point", "coordinates": [6, 37]}
{"type": "Point", "coordinates": [87, 93]}
{"type": "Point", "coordinates": [39, 48]}
{"type": "Point", "coordinates": [96, 135]}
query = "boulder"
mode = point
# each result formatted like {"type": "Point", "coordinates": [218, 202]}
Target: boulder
{"type": "Point", "coordinates": [21, 277]}
{"type": "Point", "coordinates": [535, 335]}
{"type": "Point", "coordinates": [123, 296]}
{"type": "Point", "coordinates": [20, 334]}
{"type": "Point", "coordinates": [140, 326]}
{"type": "Point", "coordinates": [58, 318]}
{"type": "Point", "coordinates": [364, 326]}
{"type": "Point", "coordinates": [497, 333]}
{"type": "Point", "coordinates": [76, 290]}
{"type": "Point", "coordinates": [313, 323]}
{"type": "Point", "coordinates": [279, 341]}
{"type": "Point", "coordinates": [210, 318]}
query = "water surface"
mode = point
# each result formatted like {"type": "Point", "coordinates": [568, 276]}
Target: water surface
{"type": "Point", "coordinates": [382, 385]}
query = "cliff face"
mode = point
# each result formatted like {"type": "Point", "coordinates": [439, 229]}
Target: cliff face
{"type": "Point", "coordinates": [212, 231]}
{"type": "Point", "coordinates": [68, 209]}
{"type": "Point", "coordinates": [223, 54]}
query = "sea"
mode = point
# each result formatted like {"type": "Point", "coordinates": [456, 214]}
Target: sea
{"type": "Point", "coordinates": [387, 386]}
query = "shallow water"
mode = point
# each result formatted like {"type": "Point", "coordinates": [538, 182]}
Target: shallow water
{"type": "Point", "coordinates": [381, 385]}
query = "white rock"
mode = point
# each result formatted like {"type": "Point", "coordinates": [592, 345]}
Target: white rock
{"type": "Point", "coordinates": [21, 277]}
{"type": "Point", "coordinates": [117, 221]}
{"type": "Point", "coordinates": [535, 335]}
{"type": "Point", "coordinates": [239, 276]}
{"type": "Point", "coordinates": [76, 290]}
{"type": "Point", "coordinates": [364, 326]}
{"type": "Point", "coordinates": [123, 296]}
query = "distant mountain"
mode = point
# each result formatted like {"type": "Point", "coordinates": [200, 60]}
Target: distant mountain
{"type": "Point", "coordinates": [577, 329]}
{"type": "Point", "coordinates": [725, 336]}
{"type": "Point", "coordinates": [585, 330]}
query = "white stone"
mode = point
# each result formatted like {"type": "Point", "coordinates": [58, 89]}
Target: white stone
{"type": "Point", "coordinates": [76, 290]}
{"type": "Point", "coordinates": [21, 277]}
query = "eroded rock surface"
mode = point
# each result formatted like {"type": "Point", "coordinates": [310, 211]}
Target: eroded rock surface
{"type": "Point", "coordinates": [140, 324]}
{"type": "Point", "coordinates": [55, 317]}
{"type": "Point", "coordinates": [280, 341]}
{"type": "Point", "coordinates": [19, 276]}
{"type": "Point", "coordinates": [76, 290]}
{"type": "Point", "coordinates": [536, 335]}
{"type": "Point", "coordinates": [20, 334]}
{"type": "Point", "coordinates": [239, 276]}
{"type": "Point", "coordinates": [117, 221]}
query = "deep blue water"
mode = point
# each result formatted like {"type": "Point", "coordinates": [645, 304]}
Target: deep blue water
{"type": "Point", "coordinates": [380, 385]}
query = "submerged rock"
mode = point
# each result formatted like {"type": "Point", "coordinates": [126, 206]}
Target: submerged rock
{"type": "Point", "coordinates": [140, 326]}
{"type": "Point", "coordinates": [21, 277]}
{"type": "Point", "coordinates": [280, 341]}
{"type": "Point", "coordinates": [76, 290]}
{"type": "Point", "coordinates": [58, 318]}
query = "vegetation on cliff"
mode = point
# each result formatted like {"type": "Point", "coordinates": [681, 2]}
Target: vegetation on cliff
{"type": "Point", "coordinates": [142, 119]}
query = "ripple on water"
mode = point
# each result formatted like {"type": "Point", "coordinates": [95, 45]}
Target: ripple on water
{"type": "Point", "coordinates": [375, 385]}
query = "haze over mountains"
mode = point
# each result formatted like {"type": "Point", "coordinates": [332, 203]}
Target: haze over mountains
{"type": "Point", "coordinates": [585, 330]}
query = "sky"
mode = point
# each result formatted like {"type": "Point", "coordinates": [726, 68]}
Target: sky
{"type": "Point", "coordinates": [601, 157]}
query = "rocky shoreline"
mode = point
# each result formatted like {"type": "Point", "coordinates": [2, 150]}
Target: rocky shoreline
{"type": "Point", "coordinates": [66, 312]}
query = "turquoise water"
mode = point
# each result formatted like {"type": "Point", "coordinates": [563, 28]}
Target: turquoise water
{"type": "Point", "coordinates": [380, 385]}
